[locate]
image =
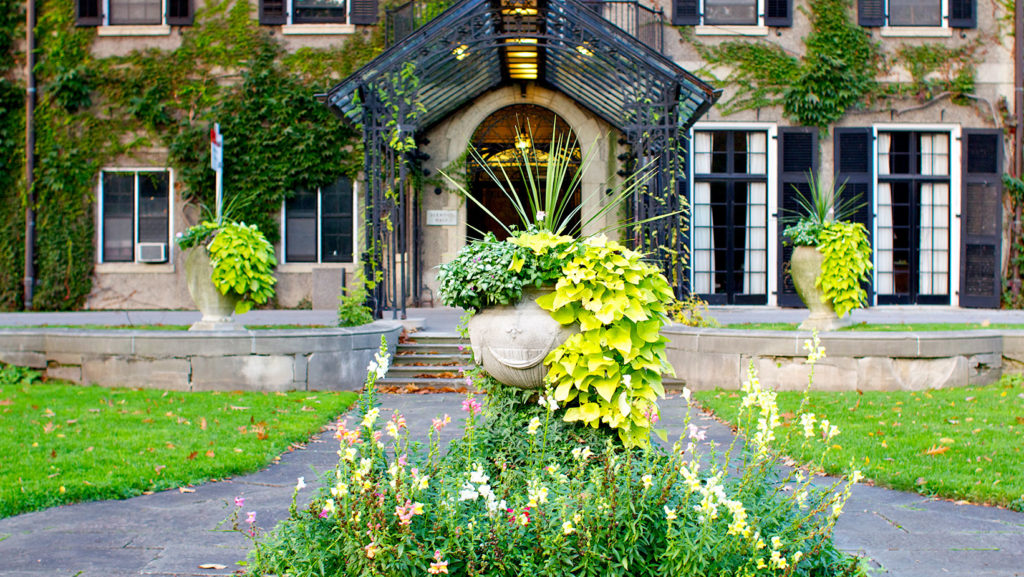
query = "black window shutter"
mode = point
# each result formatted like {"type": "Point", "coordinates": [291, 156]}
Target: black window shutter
{"type": "Point", "coordinates": [798, 158]}
{"type": "Point", "coordinates": [871, 13]}
{"type": "Point", "coordinates": [363, 12]}
{"type": "Point", "coordinates": [179, 12]}
{"type": "Point", "coordinates": [89, 13]}
{"type": "Point", "coordinates": [854, 169]}
{"type": "Point", "coordinates": [963, 13]}
{"type": "Point", "coordinates": [273, 13]}
{"type": "Point", "coordinates": [981, 218]}
{"type": "Point", "coordinates": [685, 13]}
{"type": "Point", "coordinates": [778, 13]}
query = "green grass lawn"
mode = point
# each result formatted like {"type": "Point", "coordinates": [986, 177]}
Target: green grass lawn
{"type": "Point", "coordinates": [882, 327]}
{"type": "Point", "coordinates": [62, 443]}
{"type": "Point", "coordinates": [964, 443]}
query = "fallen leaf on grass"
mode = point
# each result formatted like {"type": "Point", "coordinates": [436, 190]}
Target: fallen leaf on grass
{"type": "Point", "coordinates": [6, 402]}
{"type": "Point", "coordinates": [192, 455]}
{"type": "Point", "coordinates": [936, 450]}
{"type": "Point", "coordinates": [159, 468]}
{"type": "Point", "coordinates": [213, 566]}
{"type": "Point", "coordinates": [236, 408]}
{"type": "Point", "coordinates": [1020, 420]}
{"type": "Point", "coordinates": [211, 454]}
{"type": "Point", "coordinates": [202, 423]}
{"type": "Point", "coordinates": [946, 441]}
{"type": "Point", "coordinates": [186, 490]}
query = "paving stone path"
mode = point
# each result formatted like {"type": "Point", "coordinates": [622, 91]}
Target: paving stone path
{"type": "Point", "coordinates": [173, 533]}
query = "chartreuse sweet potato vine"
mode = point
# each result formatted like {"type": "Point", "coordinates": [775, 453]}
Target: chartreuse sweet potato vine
{"type": "Point", "coordinates": [847, 263]}
{"type": "Point", "coordinates": [610, 372]}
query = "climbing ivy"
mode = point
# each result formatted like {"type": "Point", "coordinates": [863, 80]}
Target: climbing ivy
{"type": "Point", "coordinates": [96, 111]}
{"type": "Point", "coordinates": [836, 72]}
{"type": "Point", "coordinates": [11, 160]}
{"type": "Point", "coordinates": [938, 69]}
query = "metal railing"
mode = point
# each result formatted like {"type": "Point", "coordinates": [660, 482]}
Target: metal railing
{"type": "Point", "coordinates": [642, 22]}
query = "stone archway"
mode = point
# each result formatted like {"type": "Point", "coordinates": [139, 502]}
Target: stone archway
{"type": "Point", "coordinates": [499, 140]}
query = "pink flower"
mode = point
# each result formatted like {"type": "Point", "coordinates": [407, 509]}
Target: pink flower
{"type": "Point", "coordinates": [472, 406]}
{"type": "Point", "coordinates": [438, 565]}
{"type": "Point", "coordinates": [324, 513]}
{"type": "Point", "coordinates": [695, 433]}
{"type": "Point", "coordinates": [439, 424]}
{"type": "Point", "coordinates": [239, 502]}
{"type": "Point", "coordinates": [250, 517]}
{"type": "Point", "coordinates": [403, 461]}
{"type": "Point", "coordinates": [399, 421]}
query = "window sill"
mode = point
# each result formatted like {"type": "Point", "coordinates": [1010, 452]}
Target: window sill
{"type": "Point", "coordinates": [731, 30]}
{"type": "Point", "coordinates": [915, 32]}
{"type": "Point", "coordinates": [317, 29]}
{"type": "Point", "coordinates": [154, 30]}
{"type": "Point", "coordinates": [307, 267]}
{"type": "Point", "coordinates": [134, 268]}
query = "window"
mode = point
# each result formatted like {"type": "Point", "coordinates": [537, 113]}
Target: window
{"type": "Point", "coordinates": [730, 216]}
{"type": "Point", "coordinates": [918, 13]}
{"type": "Point", "coordinates": [319, 225]}
{"type": "Point", "coordinates": [912, 242]}
{"type": "Point", "coordinates": [732, 12]}
{"type": "Point", "coordinates": [285, 12]}
{"type": "Point", "coordinates": [135, 208]}
{"type": "Point", "coordinates": [134, 12]}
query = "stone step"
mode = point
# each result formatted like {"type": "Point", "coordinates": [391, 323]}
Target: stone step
{"type": "Point", "coordinates": [412, 370]}
{"type": "Point", "coordinates": [436, 348]}
{"type": "Point", "coordinates": [422, 383]}
{"type": "Point", "coordinates": [445, 338]}
{"type": "Point", "coordinates": [440, 359]}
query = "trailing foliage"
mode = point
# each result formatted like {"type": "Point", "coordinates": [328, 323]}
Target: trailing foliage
{"type": "Point", "coordinates": [936, 69]}
{"type": "Point", "coordinates": [847, 264]}
{"type": "Point", "coordinates": [242, 258]}
{"type": "Point", "coordinates": [610, 372]}
{"type": "Point", "coordinates": [94, 112]}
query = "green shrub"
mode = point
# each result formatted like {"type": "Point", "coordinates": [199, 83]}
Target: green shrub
{"type": "Point", "coordinates": [352, 309]}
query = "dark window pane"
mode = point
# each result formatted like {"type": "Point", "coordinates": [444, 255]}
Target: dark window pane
{"type": "Point", "coordinates": [900, 161]}
{"type": "Point", "coordinates": [154, 206]}
{"type": "Point", "coordinates": [300, 227]}
{"type": "Point", "coordinates": [136, 12]}
{"type": "Point", "coordinates": [730, 12]}
{"type": "Point", "coordinates": [915, 13]}
{"type": "Point", "coordinates": [336, 222]}
{"type": "Point", "coordinates": [118, 215]}
{"type": "Point", "coordinates": [319, 11]}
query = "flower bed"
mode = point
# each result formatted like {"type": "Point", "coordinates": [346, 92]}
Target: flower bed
{"type": "Point", "coordinates": [524, 492]}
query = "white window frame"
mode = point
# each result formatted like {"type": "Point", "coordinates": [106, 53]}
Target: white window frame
{"type": "Point", "coordinates": [135, 216]}
{"type": "Point", "coordinates": [955, 132]}
{"type": "Point", "coordinates": [314, 28]}
{"type": "Point", "coordinates": [108, 29]}
{"type": "Point", "coordinates": [943, 30]}
{"type": "Point", "coordinates": [771, 167]}
{"type": "Point", "coordinates": [758, 29]}
{"type": "Point", "coordinates": [319, 237]}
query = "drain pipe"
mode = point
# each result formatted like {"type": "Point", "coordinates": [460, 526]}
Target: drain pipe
{"type": "Point", "coordinates": [30, 147]}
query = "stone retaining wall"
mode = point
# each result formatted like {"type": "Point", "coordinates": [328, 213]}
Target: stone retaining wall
{"type": "Point", "coordinates": [264, 360]}
{"type": "Point", "coordinates": [866, 361]}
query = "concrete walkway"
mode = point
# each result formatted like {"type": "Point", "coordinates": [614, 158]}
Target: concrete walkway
{"type": "Point", "coordinates": [173, 533]}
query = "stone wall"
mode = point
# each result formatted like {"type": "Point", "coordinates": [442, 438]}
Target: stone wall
{"type": "Point", "coordinates": [264, 360]}
{"type": "Point", "coordinates": [866, 361]}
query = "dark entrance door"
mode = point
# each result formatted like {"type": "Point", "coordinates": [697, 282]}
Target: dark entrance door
{"type": "Point", "coordinates": [499, 140]}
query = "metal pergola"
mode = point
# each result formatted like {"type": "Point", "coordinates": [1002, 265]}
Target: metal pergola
{"type": "Point", "coordinates": [478, 45]}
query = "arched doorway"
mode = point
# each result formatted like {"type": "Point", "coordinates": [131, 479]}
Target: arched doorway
{"type": "Point", "coordinates": [497, 139]}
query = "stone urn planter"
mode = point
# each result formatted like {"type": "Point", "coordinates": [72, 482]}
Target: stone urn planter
{"type": "Point", "coordinates": [218, 309]}
{"type": "Point", "coordinates": [511, 342]}
{"type": "Point", "coordinates": [805, 268]}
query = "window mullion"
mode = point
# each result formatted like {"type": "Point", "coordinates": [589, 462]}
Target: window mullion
{"type": "Point", "coordinates": [319, 223]}
{"type": "Point", "coordinates": [135, 215]}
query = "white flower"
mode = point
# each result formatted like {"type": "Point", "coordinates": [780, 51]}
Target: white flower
{"type": "Point", "coordinates": [807, 421]}
{"type": "Point", "coordinates": [533, 426]}
{"type": "Point", "coordinates": [582, 454]}
{"type": "Point", "coordinates": [301, 484]}
{"type": "Point", "coordinates": [370, 418]}
{"type": "Point", "coordinates": [392, 429]}
{"type": "Point", "coordinates": [686, 394]}
{"type": "Point", "coordinates": [647, 480]}
{"type": "Point", "coordinates": [350, 455]}
{"type": "Point", "coordinates": [478, 476]}
{"type": "Point", "coordinates": [541, 215]}
{"type": "Point", "coordinates": [379, 365]}
{"type": "Point", "coordinates": [548, 402]}
{"type": "Point", "coordinates": [468, 493]}
{"type": "Point", "coordinates": [670, 514]}
{"type": "Point", "coordinates": [567, 528]}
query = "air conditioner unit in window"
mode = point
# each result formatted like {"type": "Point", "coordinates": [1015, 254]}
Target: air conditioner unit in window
{"type": "Point", "coordinates": [152, 252]}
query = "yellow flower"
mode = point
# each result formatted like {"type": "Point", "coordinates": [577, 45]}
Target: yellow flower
{"type": "Point", "coordinates": [567, 528]}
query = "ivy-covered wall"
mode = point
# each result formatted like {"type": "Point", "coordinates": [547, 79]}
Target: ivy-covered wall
{"type": "Point", "coordinates": [100, 111]}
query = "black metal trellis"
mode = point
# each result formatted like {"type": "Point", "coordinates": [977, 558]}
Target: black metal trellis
{"type": "Point", "coordinates": [464, 52]}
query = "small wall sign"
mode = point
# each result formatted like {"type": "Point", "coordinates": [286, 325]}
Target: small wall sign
{"type": "Point", "coordinates": [442, 218]}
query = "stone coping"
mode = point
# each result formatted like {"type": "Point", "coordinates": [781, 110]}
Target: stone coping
{"type": "Point", "coordinates": [706, 358]}
{"type": "Point", "coordinates": [269, 360]}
